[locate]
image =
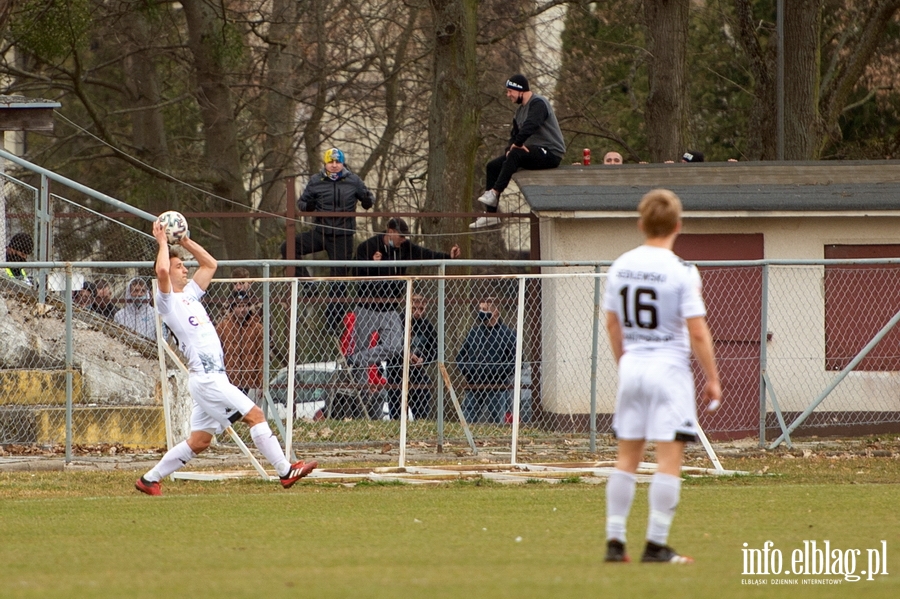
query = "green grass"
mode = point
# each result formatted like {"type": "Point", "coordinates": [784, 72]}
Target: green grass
{"type": "Point", "coordinates": [90, 535]}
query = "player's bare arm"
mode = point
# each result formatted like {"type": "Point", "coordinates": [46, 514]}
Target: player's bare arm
{"type": "Point", "coordinates": [702, 346]}
{"type": "Point", "coordinates": [614, 330]}
{"type": "Point", "coordinates": [207, 269]}
{"type": "Point", "coordinates": [162, 258]}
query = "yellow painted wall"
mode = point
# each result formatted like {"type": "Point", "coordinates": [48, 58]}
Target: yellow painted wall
{"type": "Point", "coordinates": [132, 426]}
{"type": "Point", "coordinates": [38, 387]}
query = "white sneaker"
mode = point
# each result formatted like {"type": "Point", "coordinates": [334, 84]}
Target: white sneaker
{"type": "Point", "coordinates": [485, 221]}
{"type": "Point", "coordinates": [489, 198]}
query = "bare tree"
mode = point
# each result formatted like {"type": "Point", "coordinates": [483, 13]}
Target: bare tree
{"type": "Point", "coordinates": [210, 38]}
{"type": "Point", "coordinates": [828, 46]}
{"type": "Point", "coordinates": [149, 137]}
{"type": "Point", "coordinates": [454, 111]}
{"type": "Point", "coordinates": [802, 20]}
{"type": "Point", "coordinates": [666, 113]}
{"type": "Point", "coordinates": [761, 122]}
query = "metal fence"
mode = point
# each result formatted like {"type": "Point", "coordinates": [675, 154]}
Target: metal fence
{"type": "Point", "coordinates": [803, 348]}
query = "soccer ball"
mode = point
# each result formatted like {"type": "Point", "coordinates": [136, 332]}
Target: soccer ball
{"type": "Point", "coordinates": [175, 225]}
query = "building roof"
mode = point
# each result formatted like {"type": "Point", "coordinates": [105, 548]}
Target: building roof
{"type": "Point", "coordinates": [831, 187]}
{"type": "Point", "coordinates": [19, 113]}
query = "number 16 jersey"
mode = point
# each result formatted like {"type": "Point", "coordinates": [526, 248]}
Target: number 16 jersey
{"type": "Point", "coordinates": [652, 292]}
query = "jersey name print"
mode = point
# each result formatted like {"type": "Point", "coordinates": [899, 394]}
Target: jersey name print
{"type": "Point", "coordinates": [652, 292]}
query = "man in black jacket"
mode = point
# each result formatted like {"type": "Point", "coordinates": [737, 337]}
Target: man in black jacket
{"type": "Point", "coordinates": [334, 189]}
{"type": "Point", "coordinates": [535, 143]}
{"type": "Point", "coordinates": [376, 310]}
{"type": "Point", "coordinates": [487, 359]}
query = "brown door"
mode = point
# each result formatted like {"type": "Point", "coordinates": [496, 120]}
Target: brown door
{"type": "Point", "coordinates": [859, 300]}
{"type": "Point", "coordinates": [733, 298]}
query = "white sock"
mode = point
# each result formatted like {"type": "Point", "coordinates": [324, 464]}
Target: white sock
{"type": "Point", "coordinates": [665, 490]}
{"type": "Point", "coordinates": [267, 443]}
{"type": "Point", "coordinates": [174, 459]}
{"type": "Point", "coordinates": [619, 496]}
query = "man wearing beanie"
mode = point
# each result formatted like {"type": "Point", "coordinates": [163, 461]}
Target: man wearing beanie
{"type": "Point", "coordinates": [535, 143]}
{"type": "Point", "coordinates": [333, 189]}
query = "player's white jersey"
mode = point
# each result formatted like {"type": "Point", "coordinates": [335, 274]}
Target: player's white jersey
{"type": "Point", "coordinates": [197, 338]}
{"type": "Point", "coordinates": [652, 291]}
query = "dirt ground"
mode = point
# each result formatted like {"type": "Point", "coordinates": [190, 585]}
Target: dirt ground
{"type": "Point", "coordinates": [225, 457]}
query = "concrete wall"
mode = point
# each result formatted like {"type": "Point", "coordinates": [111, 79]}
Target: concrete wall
{"type": "Point", "coordinates": [796, 310]}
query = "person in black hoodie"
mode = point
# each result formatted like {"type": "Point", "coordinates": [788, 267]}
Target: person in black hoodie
{"type": "Point", "coordinates": [377, 300]}
{"type": "Point", "coordinates": [535, 143]}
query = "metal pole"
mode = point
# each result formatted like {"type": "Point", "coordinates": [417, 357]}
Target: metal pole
{"type": "Point", "coordinates": [404, 387]}
{"type": "Point", "coordinates": [779, 80]}
{"type": "Point", "coordinates": [69, 364]}
{"type": "Point", "coordinates": [763, 353]}
{"type": "Point", "coordinates": [595, 340]}
{"type": "Point", "coordinates": [439, 392]}
{"type": "Point", "coordinates": [77, 186]}
{"type": "Point", "coordinates": [517, 377]}
{"type": "Point", "coordinates": [840, 377]}
{"type": "Point", "coordinates": [42, 226]}
{"type": "Point", "coordinates": [267, 341]}
{"type": "Point", "coordinates": [291, 375]}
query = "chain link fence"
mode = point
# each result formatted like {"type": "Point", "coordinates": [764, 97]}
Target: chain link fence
{"type": "Point", "coordinates": [491, 361]}
{"type": "Point", "coordinates": [496, 359]}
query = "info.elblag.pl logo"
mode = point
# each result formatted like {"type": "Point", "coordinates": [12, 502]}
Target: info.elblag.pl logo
{"type": "Point", "coordinates": [813, 558]}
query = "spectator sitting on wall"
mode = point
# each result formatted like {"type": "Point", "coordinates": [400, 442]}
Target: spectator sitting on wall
{"type": "Point", "coordinates": [535, 143]}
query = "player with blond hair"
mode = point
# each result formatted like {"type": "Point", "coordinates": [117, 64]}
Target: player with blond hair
{"type": "Point", "coordinates": [655, 317]}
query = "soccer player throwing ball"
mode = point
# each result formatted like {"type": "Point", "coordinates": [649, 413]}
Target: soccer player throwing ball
{"type": "Point", "coordinates": [655, 317]}
{"type": "Point", "coordinates": [217, 403]}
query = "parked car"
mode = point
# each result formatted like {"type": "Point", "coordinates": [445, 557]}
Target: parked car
{"type": "Point", "coordinates": [321, 390]}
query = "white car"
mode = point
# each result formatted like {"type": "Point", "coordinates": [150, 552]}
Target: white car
{"type": "Point", "coordinates": [321, 390]}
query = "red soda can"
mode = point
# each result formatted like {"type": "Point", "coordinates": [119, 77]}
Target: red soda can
{"type": "Point", "coordinates": [586, 157]}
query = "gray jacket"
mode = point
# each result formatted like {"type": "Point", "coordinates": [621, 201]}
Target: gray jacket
{"type": "Point", "coordinates": [535, 124]}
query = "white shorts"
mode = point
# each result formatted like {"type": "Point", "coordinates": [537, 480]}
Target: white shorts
{"type": "Point", "coordinates": [217, 403]}
{"type": "Point", "coordinates": [655, 400]}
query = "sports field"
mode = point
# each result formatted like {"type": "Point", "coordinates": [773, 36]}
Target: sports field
{"type": "Point", "coordinates": [77, 534]}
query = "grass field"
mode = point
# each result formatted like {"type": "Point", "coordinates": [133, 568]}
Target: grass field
{"type": "Point", "coordinates": [90, 535]}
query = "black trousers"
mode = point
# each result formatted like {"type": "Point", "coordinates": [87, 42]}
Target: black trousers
{"type": "Point", "coordinates": [501, 169]}
{"type": "Point", "coordinates": [338, 247]}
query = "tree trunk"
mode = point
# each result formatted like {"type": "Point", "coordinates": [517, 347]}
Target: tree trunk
{"type": "Point", "coordinates": [762, 124]}
{"type": "Point", "coordinates": [802, 19]}
{"type": "Point", "coordinates": [148, 131]}
{"type": "Point", "coordinates": [208, 42]}
{"type": "Point", "coordinates": [667, 33]}
{"type": "Point", "coordinates": [280, 108]}
{"type": "Point", "coordinates": [453, 113]}
{"type": "Point", "coordinates": [836, 90]}
{"type": "Point", "coordinates": [318, 79]}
